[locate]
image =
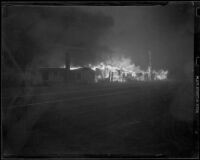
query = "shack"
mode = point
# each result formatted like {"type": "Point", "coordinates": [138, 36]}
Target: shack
{"type": "Point", "coordinates": [82, 75]}
{"type": "Point", "coordinates": [54, 75]}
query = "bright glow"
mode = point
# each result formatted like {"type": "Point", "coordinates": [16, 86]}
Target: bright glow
{"type": "Point", "coordinates": [71, 67]}
{"type": "Point", "coordinates": [63, 66]}
{"type": "Point", "coordinates": [74, 67]}
{"type": "Point", "coordinates": [122, 70]}
{"type": "Point", "coordinates": [160, 75]}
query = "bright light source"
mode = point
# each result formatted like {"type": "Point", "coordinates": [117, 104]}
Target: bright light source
{"type": "Point", "coordinates": [122, 70]}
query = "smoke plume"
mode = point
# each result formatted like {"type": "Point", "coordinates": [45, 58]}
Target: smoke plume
{"type": "Point", "coordinates": [40, 36]}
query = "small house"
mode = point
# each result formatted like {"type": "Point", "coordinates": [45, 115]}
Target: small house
{"type": "Point", "coordinates": [82, 75]}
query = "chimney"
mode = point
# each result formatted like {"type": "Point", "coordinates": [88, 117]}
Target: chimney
{"type": "Point", "coordinates": [67, 61]}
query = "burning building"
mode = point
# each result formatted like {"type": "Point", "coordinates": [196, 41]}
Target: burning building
{"type": "Point", "coordinates": [122, 70]}
{"type": "Point", "coordinates": [113, 70]}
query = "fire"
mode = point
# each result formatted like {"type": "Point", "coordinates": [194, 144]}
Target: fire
{"type": "Point", "coordinates": [74, 67]}
{"type": "Point", "coordinates": [123, 70]}
{"type": "Point", "coordinates": [160, 75]}
{"type": "Point", "coordinates": [115, 70]}
{"type": "Point", "coordinates": [71, 67]}
{"type": "Point", "coordinates": [63, 66]}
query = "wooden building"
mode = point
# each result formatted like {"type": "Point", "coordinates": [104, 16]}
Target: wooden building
{"type": "Point", "coordinates": [82, 75]}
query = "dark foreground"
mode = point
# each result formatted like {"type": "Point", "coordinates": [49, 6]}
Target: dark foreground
{"type": "Point", "coordinates": [135, 120]}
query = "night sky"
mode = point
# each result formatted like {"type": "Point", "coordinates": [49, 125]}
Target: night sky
{"type": "Point", "coordinates": [40, 36]}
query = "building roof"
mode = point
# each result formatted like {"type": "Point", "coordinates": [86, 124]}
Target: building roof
{"type": "Point", "coordinates": [83, 69]}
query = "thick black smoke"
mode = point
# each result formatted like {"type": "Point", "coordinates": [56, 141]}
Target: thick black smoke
{"type": "Point", "coordinates": [41, 36]}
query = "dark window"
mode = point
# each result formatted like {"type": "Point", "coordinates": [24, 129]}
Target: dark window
{"type": "Point", "coordinates": [45, 76]}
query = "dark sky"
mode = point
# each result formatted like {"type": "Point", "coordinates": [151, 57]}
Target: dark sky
{"type": "Point", "coordinates": [41, 35]}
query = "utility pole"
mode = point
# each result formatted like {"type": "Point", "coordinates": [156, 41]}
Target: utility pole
{"type": "Point", "coordinates": [67, 66]}
{"type": "Point", "coordinates": [150, 65]}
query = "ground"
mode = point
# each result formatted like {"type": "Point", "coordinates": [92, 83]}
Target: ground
{"type": "Point", "coordinates": [134, 119]}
